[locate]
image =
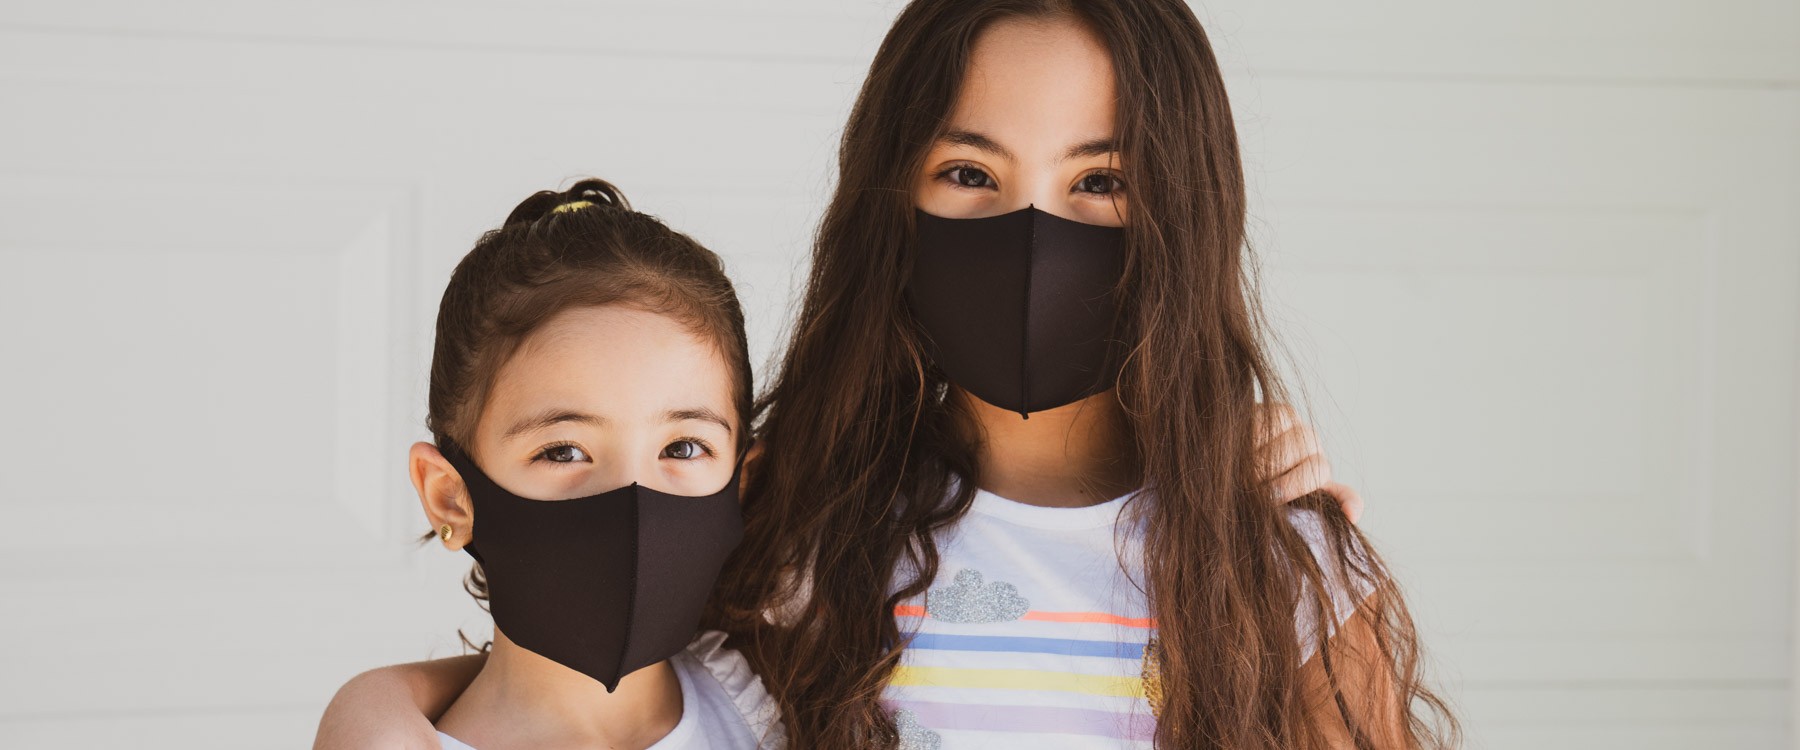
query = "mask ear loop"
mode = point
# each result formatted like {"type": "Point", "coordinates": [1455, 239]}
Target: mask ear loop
{"type": "Point", "coordinates": [464, 465]}
{"type": "Point", "coordinates": [744, 455]}
{"type": "Point", "coordinates": [736, 483]}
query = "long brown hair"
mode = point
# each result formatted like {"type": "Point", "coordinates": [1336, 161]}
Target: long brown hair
{"type": "Point", "coordinates": [863, 444]}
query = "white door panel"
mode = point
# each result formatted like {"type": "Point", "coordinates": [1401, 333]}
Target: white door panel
{"type": "Point", "coordinates": [1550, 330]}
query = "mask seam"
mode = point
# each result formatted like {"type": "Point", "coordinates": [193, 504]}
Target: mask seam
{"type": "Point", "coordinates": [637, 565]}
{"type": "Point", "coordinates": [1025, 330]}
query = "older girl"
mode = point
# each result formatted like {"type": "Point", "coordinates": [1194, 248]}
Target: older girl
{"type": "Point", "coordinates": [1012, 496]}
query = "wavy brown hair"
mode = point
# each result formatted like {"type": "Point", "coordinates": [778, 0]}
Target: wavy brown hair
{"type": "Point", "coordinates": [863, 442]}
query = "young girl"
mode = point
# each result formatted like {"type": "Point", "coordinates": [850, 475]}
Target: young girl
{"type": "Point", "coordinates": [590, 397]}
{"type": "Point", "coordinates": [1014, 491]}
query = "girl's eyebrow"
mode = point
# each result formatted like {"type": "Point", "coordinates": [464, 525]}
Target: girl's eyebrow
{"type": "Point", "coordinates": [1101, 146]}
{"type": "Point", "coordinates": [1091, 147]}
{"type": "Point", "coordinates": [975, 141]}
{"type": "Point", "coordinates": [701, 413]}
{"type": "Point", "coordinates": [551, 417]}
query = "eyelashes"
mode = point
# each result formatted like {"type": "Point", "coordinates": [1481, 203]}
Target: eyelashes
{"type": "Point", "coordinates": [570, 453]}
{"type": "Point", "coordinates": [946, 176]}
{"type": "Point", "coordinates": [1115, 183]}
{"type": "Point", "coordinates": [706, 449]}
{"type": "Point", "coordinates": [560, 453]}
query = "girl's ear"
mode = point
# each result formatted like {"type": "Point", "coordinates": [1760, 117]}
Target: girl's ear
{"type": "Point", "coordinates": [442, 494]}
{"type": "Point", "coordinates": [752, 458]}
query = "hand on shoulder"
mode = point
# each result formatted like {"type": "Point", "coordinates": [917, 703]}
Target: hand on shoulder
{"type": "Point", "coordinates": [1293, 448]}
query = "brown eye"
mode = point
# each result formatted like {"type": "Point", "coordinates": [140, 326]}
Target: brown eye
{"type": "Point", "coordinates": [685, 450]}
{"type": "Point", "coordinates": [970, 177]}
{"type": "Point", "coordinates": [562, 454]}
{"type": "Point", "coordinates": [1099, 183]}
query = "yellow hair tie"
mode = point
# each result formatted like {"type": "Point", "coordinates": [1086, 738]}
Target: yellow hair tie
{"type": "Point", "coordinates": [571, 206]}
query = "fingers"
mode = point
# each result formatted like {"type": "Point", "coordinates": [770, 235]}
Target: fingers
{"type": "Point", "coordinates": [1348, 498]}
{"type": "Point", "coordinates": [1286, 451]}
{"type": "Point", "coordinates": [1296, 456]}
{"type": "Point", "coordinates": [1273, 420]}
{"type": "Point", "coordinates": [1312, 473]}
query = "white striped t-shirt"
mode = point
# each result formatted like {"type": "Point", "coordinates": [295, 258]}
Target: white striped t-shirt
{"type": "Point", "coordinates": [1034, 635]}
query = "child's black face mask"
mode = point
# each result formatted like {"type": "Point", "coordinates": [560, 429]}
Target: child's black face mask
{"type": "Point", "coordinates": [1020, 308]}
{"type": "Point", "coordinates": [606, 584]}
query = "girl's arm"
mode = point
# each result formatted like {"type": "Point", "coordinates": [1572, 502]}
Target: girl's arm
{"type": "Point", "coordinates": [394, 707]}
{"type": "Point", "coordinates": [1365, 685]}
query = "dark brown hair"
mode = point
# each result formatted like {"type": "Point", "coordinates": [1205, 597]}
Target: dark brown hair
{"type": "Point", "coordinates": [864, 444]}
{"type": "Point", "coordinates": [581, 247]}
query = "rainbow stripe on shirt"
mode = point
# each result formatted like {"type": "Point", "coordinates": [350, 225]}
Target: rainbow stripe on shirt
{"type": "Point", "coordinates": [1123, 682]}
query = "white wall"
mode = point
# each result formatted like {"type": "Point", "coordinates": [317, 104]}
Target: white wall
{"type": "Point", "coordinates": [1539, 264]}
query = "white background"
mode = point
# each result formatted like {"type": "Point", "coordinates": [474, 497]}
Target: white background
{"type": "Point", "coordinates": [1538, 264]}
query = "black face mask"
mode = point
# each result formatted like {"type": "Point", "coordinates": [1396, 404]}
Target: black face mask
{"type": "Point", "coordinates": [606, 584]}
{"type": "Point", "coordinates": [1020, 307]}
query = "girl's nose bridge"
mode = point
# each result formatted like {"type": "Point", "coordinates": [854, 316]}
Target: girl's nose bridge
{"type": "Point", "coordinates": [620, 463]}
{"type": "Point", "coordinates": [1036, 185]}
{"type": "Point", "coordinates": [1048, 193]}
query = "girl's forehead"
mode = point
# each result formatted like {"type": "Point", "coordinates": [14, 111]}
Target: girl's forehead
{"type": "Point", "coordinates": [616, 361]}
{"type": "Point", "coordinates": [1036, 80]}
{"type": "Point", "coordinates": [579, 328]}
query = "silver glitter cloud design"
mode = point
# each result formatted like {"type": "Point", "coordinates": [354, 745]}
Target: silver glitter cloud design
{"type": "Point", "coordinates": [968, 600]}
{"type": "Point", "coordinates": [913, 735]}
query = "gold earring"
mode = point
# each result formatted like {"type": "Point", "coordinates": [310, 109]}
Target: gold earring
{"type": "Point", "coordinates": [444, 532]}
